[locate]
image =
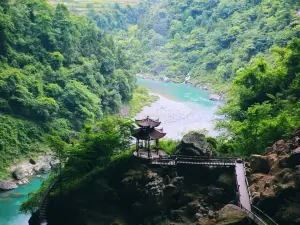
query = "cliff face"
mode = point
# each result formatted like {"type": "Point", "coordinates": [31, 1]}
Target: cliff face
{"type": "Point", "coordinates": [136, 193]}
{"type": "Point", "coordinates": [275, 180]}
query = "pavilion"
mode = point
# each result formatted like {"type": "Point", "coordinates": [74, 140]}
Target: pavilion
{"type": "Point", "coordinates": [147, 131]}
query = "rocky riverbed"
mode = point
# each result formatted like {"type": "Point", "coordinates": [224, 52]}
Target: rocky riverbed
{"type": "Point", "coordinates": [21, 172]}
{"type": "Point", "coordinates": [178, 118]}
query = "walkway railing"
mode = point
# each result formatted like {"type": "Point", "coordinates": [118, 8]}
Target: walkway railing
{"type": "Point", "coordinates": [255, 214]}
{"type": "Point", "coordinates": [44, 202]}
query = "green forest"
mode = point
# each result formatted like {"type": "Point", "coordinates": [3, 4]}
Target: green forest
{"type": "Point", "coordinates": [246, 49]}
{"type": "Point", "coordinates": [58, 72]}
{"type": "Point", "coordinates": [208, 40]}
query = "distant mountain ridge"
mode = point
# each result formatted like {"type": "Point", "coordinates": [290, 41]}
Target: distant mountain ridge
{"type": "Point", "coordinates": [82, 6]}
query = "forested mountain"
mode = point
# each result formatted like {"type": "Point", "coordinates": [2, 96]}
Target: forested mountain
{"type": "Point", "coordinates": [82, 6]}
{"type": "Point", "coordinates": [210, 40]}
{"type": "Point", "coordinates": [58, 72]}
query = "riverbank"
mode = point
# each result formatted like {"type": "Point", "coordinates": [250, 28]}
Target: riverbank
{"type": "Point", "coordinates": [178, 118]}
{"type": "Point", "coordinates": [10, 202]}
{"type": "Point", "coordinates": [181, 108]}
{"type": "Point", "coordinates": [218, 91]}
{"type": "Point", "coordinates": [21, 172]}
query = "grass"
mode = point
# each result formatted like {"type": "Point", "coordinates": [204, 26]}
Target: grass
{"type": "Point", "coordinates": [168, 145]}
{"type": "Point", "coordinates": [81, 6]}
{"type": "Point", "coordinates": [141, 98]}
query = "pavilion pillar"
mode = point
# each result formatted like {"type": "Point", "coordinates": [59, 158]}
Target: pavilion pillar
{"type": "Point", "coordinates": [156, 146]}
{"type": "Point", "coordinates": [148, 148]}
{"type": "Point", "coordinates": [137, 145]}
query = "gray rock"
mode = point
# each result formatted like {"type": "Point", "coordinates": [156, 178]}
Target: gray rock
{"type": "Point", "coordinates": [194, 144]}
{"type": "Point", "coordinates": [177, 181]}
{"type": "Point", "coordinates": [232, 214]}
{"type": "Point", "coordinates": [54, 164]}
{"type": "Point", "coordinates": [198, 216]}
{"type": "Point", "coordinates": [294, 158]}
{"type": "Point", "coordinates": [215, 97]}
{"type": "Point", "coordinates": [177, 215]}
{"type": "Point", "coordinates": [284, 162]}
{"type": "Point", "coordinates": [192, 208]}
{"type": "Point", "coordinates": [259, 164]}
{"type": "Point", "coordinates": [45, 168]}
{"type": "Point", "coordinates": [32, 161]}
{"type": "Point", "coordinates": [7, 185]}
{"type": "Point", "coordinates": [18, 174]}
{"type": "Point", "coordinates": [211, 214]}
{"type": "Point", "coordinates": [170, 190]}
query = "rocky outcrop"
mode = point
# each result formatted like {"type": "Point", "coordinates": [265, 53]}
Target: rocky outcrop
{"type": "Point", "coordinates": [194, 144]}
{"type": "Point", "coordinates": [18, 174]}
{"type": "Point", "coordinates": [7, 185]}
{"type": "Point", "coordinates": [228, 215]}
{"type": "Point", "coordinates": [32, 167]}
{"type": "Point", "coordinates": [232, 214]}
{"type": "Point", "coordinates": [275, 180]}
{"type": "Point", "coordinates": [164, 196]}
{"type": "Point", "coordinates": [215, 97]}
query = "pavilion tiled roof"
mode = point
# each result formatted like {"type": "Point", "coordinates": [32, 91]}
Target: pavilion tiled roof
{"type": "Point", "coordinates": [148, 122]}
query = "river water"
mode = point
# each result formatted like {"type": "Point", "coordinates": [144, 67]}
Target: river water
{"type": "Point", "coordinates": [181, 108]}
{"type": "Point", "coordinates": [10, 202]}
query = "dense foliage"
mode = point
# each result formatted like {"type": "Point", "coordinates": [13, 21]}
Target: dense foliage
{"type": "Point", "coordinates": [213, 42]}
{"type": "Point", "coordinates": [210, 40]}
{"type": "Point", "coordinates": [264, 103]}
{"type": "Point", "coordinates": [58, 72]}
{"type": "Point", "coordinates": [98, 148]}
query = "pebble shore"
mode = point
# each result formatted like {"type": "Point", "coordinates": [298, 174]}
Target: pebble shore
{"type": "Point", "coordinates": [178, 118]}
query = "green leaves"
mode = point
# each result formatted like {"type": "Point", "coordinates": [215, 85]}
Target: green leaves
{"type": "Point", "coordinates": [58, 70]}
{"type": "Point", "coordinates": [263, 106]}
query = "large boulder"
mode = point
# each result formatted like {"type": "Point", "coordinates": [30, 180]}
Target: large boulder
{"type": "Point", "coordinates": [294, 158]}
{"type": "Point", "coordinates": [32, 161]}
{"type": "Point", "coordinates": [7, 185]}
{"type": "Point", "coordinates": [18, 174]}
{"type": "Point", "coordinates": [259, 164]}
{"type": "Point", "coordinates": [232, 214]}
{"type": "Point", "coordinates": [193, 144]}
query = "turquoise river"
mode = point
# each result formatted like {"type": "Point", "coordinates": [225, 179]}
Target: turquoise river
{"type": "Point", "coordinates": [10, 202]}
{"type": "Point", "coordinates": [181, 108]}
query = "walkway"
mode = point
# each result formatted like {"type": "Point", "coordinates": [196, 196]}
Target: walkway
{"type": "Point", "coordinates": [241, 180]}
{"type": "Point", "coordinates": [242, 186]}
